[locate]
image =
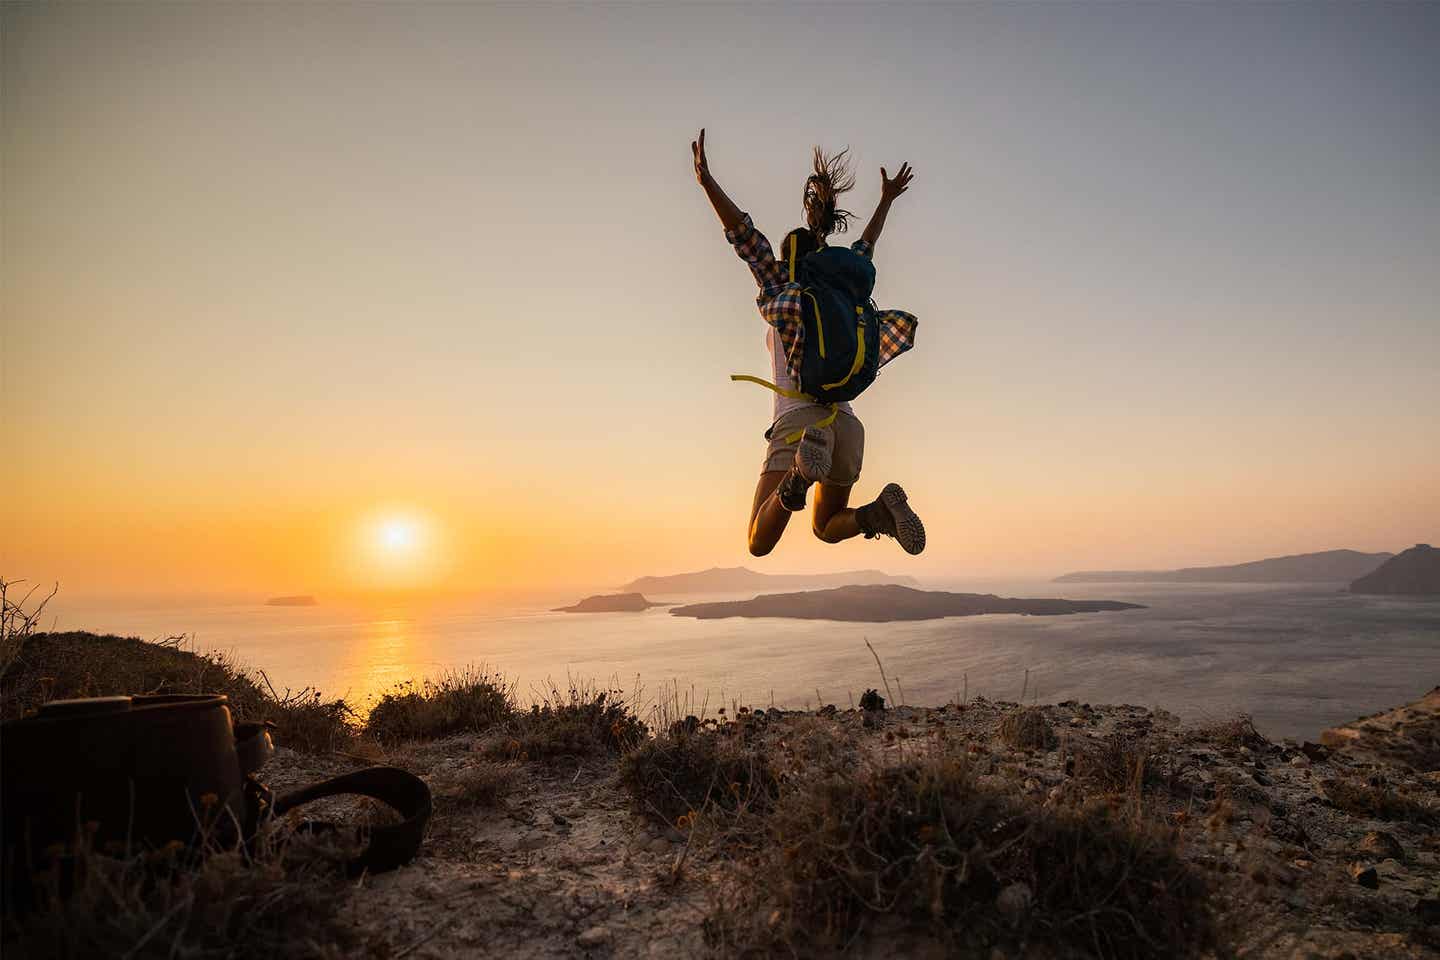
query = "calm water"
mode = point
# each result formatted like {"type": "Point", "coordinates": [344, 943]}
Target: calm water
{"type": "Point", "coordinates": [1297, 657]}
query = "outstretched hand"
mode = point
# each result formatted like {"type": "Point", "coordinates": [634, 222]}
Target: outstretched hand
{"type": "Point", "coordinates": [702, 166]}
{"type": "Point", "coordinates": [889, 188]}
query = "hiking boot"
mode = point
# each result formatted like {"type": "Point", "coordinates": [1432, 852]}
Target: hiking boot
{"type": "Point", "coordinates": [890, 515]}
{"type": "Point", "coordinates": [812, 455]}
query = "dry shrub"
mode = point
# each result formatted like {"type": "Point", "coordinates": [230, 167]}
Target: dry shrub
{"type": "Point", "coordinates": [55, 666]}
{"type": "Point", "coordinates": [923, 845]}
{"type": "Point", "coordinates": [20, 612]}
{"type": "Point", "coordinates": [690, 771]}
{"type": "Point", "coordinates": [1120, 763]}
{"type": "Point", "coordinates": [283, 898]}
{"type": "Point", "coordinates": [1027, 729]}
{"type": "Point", "coordinates": [1379, 801]}
{"type": "Point", "coordinates": [1232, 734]}
{"type": "Point", "coordinates": [579, 720]}
{"type": "Point", "coordinates": [467, 701]}
{"type": "Point", "coordinates": [483, 784]}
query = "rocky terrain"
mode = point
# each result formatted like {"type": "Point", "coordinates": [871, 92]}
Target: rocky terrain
{"type": "Point", "coordinates": [1311, 850]}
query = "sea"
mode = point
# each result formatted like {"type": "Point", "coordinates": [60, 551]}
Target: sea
{"type": "Point", "coordinates": [1295, 657]}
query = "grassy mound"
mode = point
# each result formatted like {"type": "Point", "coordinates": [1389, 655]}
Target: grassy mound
{"type": "Point", "coordinates": [579, 720]}
{"type": "Point", "coordinates": [55, 666]}
{"type": "Point", "coordinates": [467, 701]}
{"type": "Point", "coordinates": [924, 845]}
{"type": "Point", "coordinates": [697, 768]}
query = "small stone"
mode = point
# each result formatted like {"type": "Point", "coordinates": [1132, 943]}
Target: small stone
{"type": "Point", "coordinates": [1032, 785]}
{"type": "Point", "coordinates": [1262, 779]}
{"type": "Point", "coordinates": [1382, 845]}
{"type": "Point", "coordinates": [1014, 900]}
{"type": "Point", "coordinates": [659, 845]}
{"type": "Point", "coordinates": [594, 937]}
{"type": "Point", "coordinates": [533, 842]}
{"type": "Point", "coordinates": [1365, 876]}
{"type": "Point", "coordinates": [1077, 721]}
{"type": "Point", "coordinates": [1315, 751]}
{"type": "Point", "coordinates": [1299, 761]}
{"type": "Point", "coordinates": [674, 836]}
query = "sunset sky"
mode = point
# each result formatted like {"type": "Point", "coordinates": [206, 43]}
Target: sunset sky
{"type": "Point", "coordinates": [334, 299]}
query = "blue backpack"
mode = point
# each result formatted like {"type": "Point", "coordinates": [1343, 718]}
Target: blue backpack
{"type": "Point", "coordinates": [842, 333]}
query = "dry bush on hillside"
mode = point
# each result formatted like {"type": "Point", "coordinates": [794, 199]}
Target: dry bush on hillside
{"type": "Point", "coordinates": [1027, 729]}
{"type": "Point", "coordinates": [471, 700]}
{"type": "Point", "coordinates": [924, 845]}
{"type": "Point", "coordinates": [579, 720]}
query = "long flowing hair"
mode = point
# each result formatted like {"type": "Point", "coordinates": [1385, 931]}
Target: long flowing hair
{"type": "Point", "coordinates": [823, 188]}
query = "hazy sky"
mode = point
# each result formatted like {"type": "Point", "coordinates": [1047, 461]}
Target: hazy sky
{"type": "Point", "coordinates": [271, 273]}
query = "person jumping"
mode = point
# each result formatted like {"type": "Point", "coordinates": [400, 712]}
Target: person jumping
{"type": "Point", "coordinates": [827, 341]}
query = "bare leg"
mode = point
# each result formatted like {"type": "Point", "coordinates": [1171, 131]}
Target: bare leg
{"type": "Point", "coordinates": [833, 519]}
{"type": "Point", "coordinates": [767, 517]}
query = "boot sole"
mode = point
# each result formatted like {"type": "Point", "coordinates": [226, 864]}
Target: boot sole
{"type": "Point", "coordinates": [909, 531]}
{"type": "Point", "coordinates": [812, 455]}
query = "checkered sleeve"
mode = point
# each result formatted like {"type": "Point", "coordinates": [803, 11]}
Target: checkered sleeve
{"type": "Point", "coordinates": [897, 333]}
{"type": "Point", "coordinates": [782, 312]}
{"type": "Point", "coordinates": [752, 247]}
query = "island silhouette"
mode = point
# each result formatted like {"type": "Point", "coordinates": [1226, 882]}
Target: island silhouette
{"type": "Point", "coordinates": [882, 603]}
{"type": "Point", "coordinates": [1415, 572]}
{"type": "Point", "coordinates": [741, 579]}
{"type": "Point", "coordinates": [1327, 566]}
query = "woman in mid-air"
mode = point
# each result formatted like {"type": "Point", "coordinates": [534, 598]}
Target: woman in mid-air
{"type": "Point", "coordinates": [814, 294]}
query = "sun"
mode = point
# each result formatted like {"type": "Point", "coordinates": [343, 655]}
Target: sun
{"type": "Point", "coordinates": [398, 547]}
{"type": "Point", "coordinates": [400, 543]}
{"type": "Point", "coordinates": [398, 535]}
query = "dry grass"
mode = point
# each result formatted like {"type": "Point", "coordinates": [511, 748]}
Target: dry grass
{"type": "Point", "coordinates": [1123, 764]}
{"type": "Point", "coordinates": [924, 846]}
{"type": "Point", "coordinates": [1027, 729]}
{"type": "Point", "coordinates": [696, 768]}
{"type": "Point", "coordinates": [579, 720]}
{"type": "Point", "coordinates": [283, 898]}
{"type": "Point", "coordinates": [1379, 801]}
{"type": "Point", "coordinates": [20, 612]}
{"type": "Point", "coordinates": [482, 784]}
{"type": "Point", "coordinates": [471, 700]}
{"type": "Point", "coordinates": [52, 666]}
{"type": "Point", "coordinates": [1232, 734]}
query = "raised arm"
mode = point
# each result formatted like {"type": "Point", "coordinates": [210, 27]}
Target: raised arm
{"type": "Point", "coordinates": [889, 190]}
{"type": "Point", "coordinates": [729, 214]}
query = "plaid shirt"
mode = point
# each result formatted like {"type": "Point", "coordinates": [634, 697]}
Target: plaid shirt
{"type": "Point", "coordinates": [779, 299]}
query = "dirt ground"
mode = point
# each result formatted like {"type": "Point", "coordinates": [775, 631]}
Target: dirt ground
{"type": "Point", "coordinates": [563, 865]}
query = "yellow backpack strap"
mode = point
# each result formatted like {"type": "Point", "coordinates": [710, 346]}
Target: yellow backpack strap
{"type": "Point", "coordinates": [794, 243]}
{"type": "Point", "coordinates": [791, 394]}
{"type": "Point", "coordinates": [795, 437]}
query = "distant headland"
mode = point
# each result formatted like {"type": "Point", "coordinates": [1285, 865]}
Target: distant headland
{"type": "Point", "coordinates": [1328, 566]}
{"type": "Point", "coordinates": [882, 603]}
{"type": "Point", "coordinates": [299, 600]}
{"type": "Point", "coordinates": [610, 603]}
{"type": "Point", "coordinates": [742, 579]}
{"type": "Point", "coordinates": [1415, 572]}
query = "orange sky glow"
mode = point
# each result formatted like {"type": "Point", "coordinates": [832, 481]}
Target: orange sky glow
{"type": "Point", "coordinates": [355, 301]}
